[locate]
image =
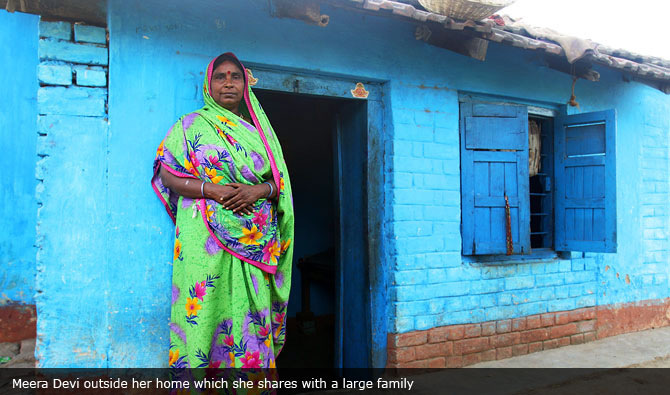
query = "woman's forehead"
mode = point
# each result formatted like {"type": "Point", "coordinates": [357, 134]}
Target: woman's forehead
{"type": "Point", "coordinates": [227, 66]}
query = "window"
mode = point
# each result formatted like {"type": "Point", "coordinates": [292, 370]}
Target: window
{"type": "Point", "coordinates": [541, 181]}
{"type": "Point", "coordinates": [510, 204]}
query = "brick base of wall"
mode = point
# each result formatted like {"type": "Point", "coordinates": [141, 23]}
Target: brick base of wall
{"type": "Point", "coordinates": [17, 322]}
{"type": "Point", "coordinates": [455, 346]}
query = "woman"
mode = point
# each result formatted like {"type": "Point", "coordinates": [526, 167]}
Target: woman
{"type": "Point", "coordinates": [221, 175]}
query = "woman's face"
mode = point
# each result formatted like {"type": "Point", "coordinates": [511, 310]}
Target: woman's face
{"type": "Point", "coordinates": [227, 86]}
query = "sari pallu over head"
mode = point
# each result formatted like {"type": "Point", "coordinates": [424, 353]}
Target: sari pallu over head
{"type": "Point", "coordinates": [214, 145]}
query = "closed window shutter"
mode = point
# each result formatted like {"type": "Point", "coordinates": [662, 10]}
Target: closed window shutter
{"type": "Point", "coordinates": [494, 164]}
{"type": "Point", "coordinates": [585, 175]}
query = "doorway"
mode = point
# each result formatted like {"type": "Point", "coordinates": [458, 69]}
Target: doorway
{"type": "Point", "coordinates": [324, 140]}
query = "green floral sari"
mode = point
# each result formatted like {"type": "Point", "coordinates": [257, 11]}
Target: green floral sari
{"type": "Point", "coordinates": [232, 272]}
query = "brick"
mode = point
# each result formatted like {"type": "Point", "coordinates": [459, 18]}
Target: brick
{"type": "Point", "coordinates": [404, 324]}
{"type": "Point", "coordinates": [534, 335]}
{"type": "Point", "coordinates": [519, 349]}
{"type": "Point", "coordinates": [550, 344]}
{"type": "Point", "coordinates": [90, 34]}
{"type": "Point", "coordinates": [563, 330]}
{"type": "Point", "coordinates": [411, 309]}
{"type": "Point", "coordinates": [90, 77]}
{"type": "Point", "coordinates": [577, 339]}
{"type": "Point", "coordinates": [472, 359]}
{"type": "Point", "coordinates": [455, 362]}
{"type": "Point", "coordinates": [456, 332]}
{"type": "Point", "coordinates": [405, 354]}
{"type": "Point", "coordinates": [505, 339]}
{"type": "Point", "coordinates": [589, 336]}
{"type": "Point", "coordinates": [50, 49]}
{"type": "Point", "coordinates": [533, 322]}
{"type": "Point", "coordinates": [438, 335]}
{"type": "Point", "coordinates": [576, 315]}
{"type": "Point", "coordinates": [469, 346]}
{"type": "Point", "coordinates": [586, 326]}
{"type": "Point", "coordinates": [61, 30]}
{"type": "Point", "coordinates": [547, 280]}
{"type": "Point", "coordinates": [54, 74]}
{"type": "Point", "coordinates": [437, 151]}
{"type": "Point", "coordinates": [487, 286]}
{"type": "Point", "coordinates": [562, 318]}
{"type": "Point", "coordinates": [437, 363]}
{"type": "Point", "coordinates": [411, 339]}
{"type": "Point", "coordinates": [473, 330]}
{"type": "Point", "coordinates": [534, 347]}
{"type": "Point", "coordinates": [589, 313]}
{"type": "Point", "coordinates": [565, 266]}
{"type": "Point", "coordinates": [564, 341]}
{"type": "Point", "coordinates": [519, 282]}
{"type": "Point", "coordinates": [408, 131]}
{"type": "Point", "coordinates": [519, 324]}
{"type": "Point", "coordinates": [489, 300]}
{"type": "Point", "coordinates": [561, 304]}
{"type": "Point", "coordinates": [425, 322]}
{"type": "Point", "coordinates": [548, 319]}
{"type": "Point", "coordinates": [488, 328]}
{"type": "Point", "coordinates": [488, 355]}
{"type": "Point", "coordinates": [71, 101]}
{"type": "Point", "coordinates": [428, 351]}
{"type": "Point", "coordinates": [424, 244]}
{"type": "Point", "coordinates": [504, 326]}
{"type": "Point", "coordinates": [504, 352]}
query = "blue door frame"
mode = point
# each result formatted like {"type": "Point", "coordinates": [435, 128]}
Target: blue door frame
{"type": "Point", "coordinates": [374, 290]}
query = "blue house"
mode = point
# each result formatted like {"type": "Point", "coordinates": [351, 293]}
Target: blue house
{"type": "Point", "coordinates": [453, 202]}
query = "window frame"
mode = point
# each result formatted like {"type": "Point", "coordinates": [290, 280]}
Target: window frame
{"type": "Point", "coordinates": [555, 115]}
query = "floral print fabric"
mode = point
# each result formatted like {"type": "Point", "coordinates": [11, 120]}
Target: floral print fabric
{"type": "Point", "coordinates": [231, 273]}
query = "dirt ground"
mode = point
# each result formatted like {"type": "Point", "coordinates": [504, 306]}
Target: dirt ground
{"type": "Point", "coordinates": [18, 355]}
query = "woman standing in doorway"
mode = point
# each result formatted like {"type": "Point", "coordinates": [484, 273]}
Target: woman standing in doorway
{"type": "Point", "coordinates": [221, 175]}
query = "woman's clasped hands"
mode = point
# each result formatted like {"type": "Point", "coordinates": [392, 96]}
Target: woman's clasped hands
{"type": "Point", "coordinates": [237, 197]}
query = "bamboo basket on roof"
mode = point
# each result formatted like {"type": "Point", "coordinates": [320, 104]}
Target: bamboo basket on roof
{"type": "Point", "coordinates": [474, 10]}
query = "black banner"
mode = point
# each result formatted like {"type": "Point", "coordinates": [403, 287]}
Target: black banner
{"type": "Point", "coordinates": [347, 381]}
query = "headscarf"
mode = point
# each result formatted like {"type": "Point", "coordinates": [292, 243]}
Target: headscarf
{"type": "Point", "coordinates": [215, 145]}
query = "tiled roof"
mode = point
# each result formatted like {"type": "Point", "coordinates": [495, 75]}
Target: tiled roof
{"type": "Point", "coordinates": [646, 67]}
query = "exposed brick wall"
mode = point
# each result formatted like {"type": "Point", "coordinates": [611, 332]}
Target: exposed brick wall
{"type": "Point", "coordinates": [17, 322]}
{"type": "Point", "coordinates": [455, 346]}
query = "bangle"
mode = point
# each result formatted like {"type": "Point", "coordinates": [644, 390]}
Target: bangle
{"type": "Point", "coordinates": [271, 189]}
{"type": "Point", "coordinates": [202, 189]}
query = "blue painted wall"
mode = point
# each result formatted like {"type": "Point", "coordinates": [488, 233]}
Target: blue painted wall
{"type": "Point", "coordinates": [18, 112]}
{"type": "Point", "coordinates": [156, 60]}
{"type": "Point", "coordinates": [73, 279]}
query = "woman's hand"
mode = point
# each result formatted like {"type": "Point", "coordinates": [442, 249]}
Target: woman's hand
{"type": "Point", "coordinates": [240, 197]}
{"type": "Point", "coordinates": [217, 192]}
{"type": "Point", "coordinates": [235, 196]}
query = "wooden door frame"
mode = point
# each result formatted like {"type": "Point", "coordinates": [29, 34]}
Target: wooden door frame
{"type": "Point", "coordinates": [279, 79]}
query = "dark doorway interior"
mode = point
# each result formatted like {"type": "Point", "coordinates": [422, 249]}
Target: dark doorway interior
{"type": "Point", "coordinates": [305, 126]}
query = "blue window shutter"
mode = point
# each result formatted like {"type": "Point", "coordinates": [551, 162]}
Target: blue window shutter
{"type": "Point", "coordinates": [585, 175]}
{"type": "Point", "coordinates": [494, 163]}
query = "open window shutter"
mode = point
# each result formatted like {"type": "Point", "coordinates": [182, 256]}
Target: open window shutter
{"type": "Point", "coordinates": [585, 176]}
{"type": "Point", "coordinates": [494, 164]}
